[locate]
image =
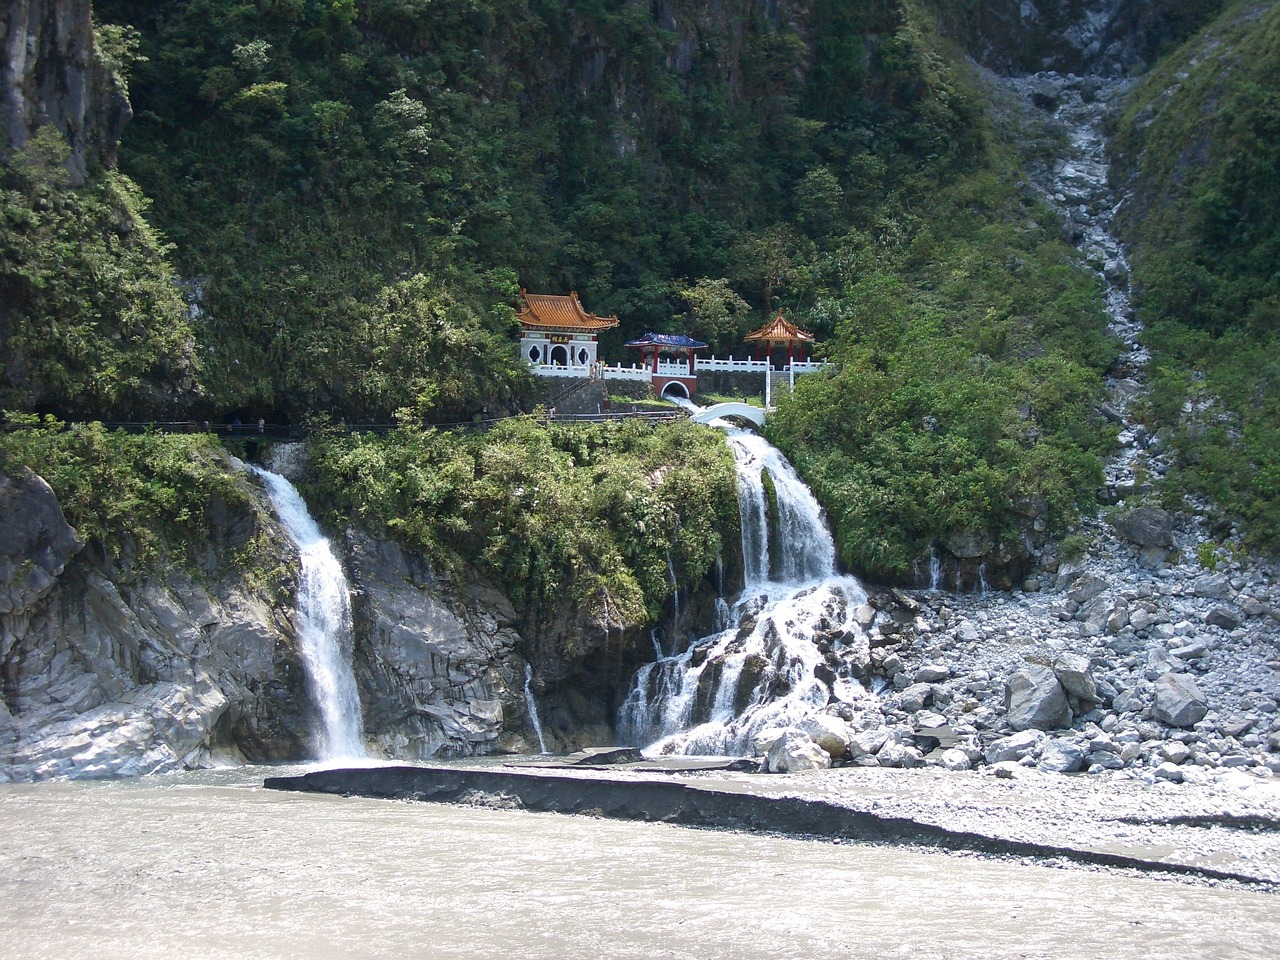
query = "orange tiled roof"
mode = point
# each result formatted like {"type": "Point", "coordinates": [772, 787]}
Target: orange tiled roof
{"type": "Point", "coordinates": [560, 313]}
{"type": "Point", "coordinates": [780, 330]}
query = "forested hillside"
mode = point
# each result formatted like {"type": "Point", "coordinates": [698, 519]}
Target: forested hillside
{"type": "Point", "coordinates": [1201, 146]}
{"type": "Point", "coordinates": [337, 202]}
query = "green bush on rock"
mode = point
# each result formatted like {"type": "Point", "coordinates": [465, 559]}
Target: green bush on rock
{"type": "Point", "coordinates": [587, 513]}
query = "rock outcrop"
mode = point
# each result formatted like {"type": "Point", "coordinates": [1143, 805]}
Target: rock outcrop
{"type": "Point", "coordinates": [108, 673]}
{"type": "Point", "coordinates": [437, 662]}
{"type": "Point", "coordinates": [53, 74]}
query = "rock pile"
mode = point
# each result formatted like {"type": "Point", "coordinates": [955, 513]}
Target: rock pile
{"type": "Point", "coordinates": [1108, 664]}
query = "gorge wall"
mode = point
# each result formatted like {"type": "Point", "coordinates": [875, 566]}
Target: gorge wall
{"type": "Point", "coordinates": [52, 73]}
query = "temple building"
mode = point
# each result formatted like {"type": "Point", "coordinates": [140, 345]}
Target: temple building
{"type": "Point", "coordinates": [557, 331]}
{"type": "Point", "coordinates": [679, 378]}
{"type": "Point", "coordinates": [779, 332]}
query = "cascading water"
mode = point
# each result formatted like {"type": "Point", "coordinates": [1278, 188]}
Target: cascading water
{"type": "Point", "coordinates": [791, 644]}
{"type": "Point", "coordinates": [532, 706]}
{"type": "Point", "coordinates": [324, 625]}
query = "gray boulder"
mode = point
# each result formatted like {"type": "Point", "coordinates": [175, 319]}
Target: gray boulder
{"type": "Point", "coordinates": [1177, 701]}
{"type": "Point", "coordinates": [1086, 587]}
{"type": "Point", "coordinates": [1072, 671]}
{"type": "Point", "coordinates": [894, 754]}
{"type": "Point", "coordinates": [1223, 617]}
{"type": "Point", "coordinates": [1214, 586]}
{"type": "Point", "coordinates": [1146, 527]}
{"type": "Point", "coordinates": [1015, 747]}
{"type": "Point", "coordinates": [932, 673]}
{"type": "Point", "coordinates": [1035, 698]}
{"type": "Point", "coordinates": [828, 732]}
{"type": "Point", "coordinates": [868, 742]}
{"type": "Point", "coordinates": [795, 752]}
{"type": "Point", "coordinates": [1062, 756]}
{"type": "Point", "coordinates": [915, 697]}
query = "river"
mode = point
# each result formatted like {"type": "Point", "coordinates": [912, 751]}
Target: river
{"type": "Point", "coordinates": [210, 865]}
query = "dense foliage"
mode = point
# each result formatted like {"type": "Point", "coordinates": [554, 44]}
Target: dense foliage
{"type": "Point", "coordinates": [600, 515]}
{"type": "Point", "coordinates": [91, 319]}
{"type": "Point", "coordinates": [1201, 138]}
{"type": "Point", "coordinates": [969, 351]}
{"type": "Point", "coordinates": [134, 497]}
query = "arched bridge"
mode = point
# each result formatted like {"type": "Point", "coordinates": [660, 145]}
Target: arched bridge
{"type": "Point", "coordinates": [744, 411]}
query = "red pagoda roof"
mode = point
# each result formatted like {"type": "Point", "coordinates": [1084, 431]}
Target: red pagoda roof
{"type": "Point", "coordinates": [544, 312]}
{"type": "Point", "coordinates": [780, 330]}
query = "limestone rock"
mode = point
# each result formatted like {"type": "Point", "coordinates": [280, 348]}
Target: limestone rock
{"type": "Point", "coordinates": [1146, 527]}
{"type": "Point", "coordinates": [35, 541]}
{"type": "Point", "coordinates": [795, 752]}
{"type": "Point", "coordinates": [446, 651]}
{"type": "Point", "coordinates": [828, 732]}
{"type": "Point", "coordinates": [969, 546]}
{"type": "Point", "coordinates": [54, 75]}
{"type": "Point", "coordinates": [1178, 701]}
{"type": "Point", "coordinates": [1035, 698]}
{"type": "Point", "coordinates": [1014, 747]}
{"type": "Point", "coordinates": [955, 760]}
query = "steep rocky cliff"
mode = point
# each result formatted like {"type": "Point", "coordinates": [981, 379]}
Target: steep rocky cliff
{"type": "Point", "coordinates": [112, 672]}
{"type": "Point", "coordinates": [1108, 37]}
{"type": "Point", "coordinates": [52, 73]}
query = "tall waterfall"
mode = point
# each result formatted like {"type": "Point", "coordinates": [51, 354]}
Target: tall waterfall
{"type": "Point", "coordinates": [791, 645]}
{"type": "Point", "coordinates": [324, 625]}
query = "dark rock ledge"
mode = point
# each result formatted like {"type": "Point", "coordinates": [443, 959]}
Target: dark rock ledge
{"type": "Point", "coordinates": [726, 805]}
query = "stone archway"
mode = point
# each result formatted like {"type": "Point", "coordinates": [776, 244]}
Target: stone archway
{"type": "Point", "coordinates": [559, 356]}
{"type": "Point", "coordinates": [676, 389]}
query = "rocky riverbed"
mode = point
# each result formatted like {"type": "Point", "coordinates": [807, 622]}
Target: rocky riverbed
{"type": "Point", "coordinates": [1133, 662]}
{"type": "Point", "coordinates": [1227, 830]}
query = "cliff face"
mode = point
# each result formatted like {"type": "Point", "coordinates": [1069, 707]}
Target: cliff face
{"type": "Point", "coordinates": [109, 674]}
{"type": "Point", "coordinates": [52, 74]}
{"type": "Point", "coordinates": [1109, 37]}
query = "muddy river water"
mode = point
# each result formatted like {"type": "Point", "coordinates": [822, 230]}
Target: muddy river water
{"type": "Point", "coordinates": [211, 865]}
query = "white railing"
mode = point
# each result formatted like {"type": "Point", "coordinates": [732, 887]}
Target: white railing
{"type": "Point", "coordinates": [626, 373]}
{"type": "Point", "coordinates": [645, 373]}
{"type": "Point", "coordinates": [554, 370]}
{"type": "Point", "coordinates": [715, 363]}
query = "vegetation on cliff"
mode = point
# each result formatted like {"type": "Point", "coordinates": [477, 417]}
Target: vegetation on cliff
{"type": "Point", "coordinates": [133, 498]}
{"type": "Point", "coordinates": [355, 192]}
{"type": "Point", "coordinates": [1200, 142]}
{"type": "Point", "coordinates": [601, 516]}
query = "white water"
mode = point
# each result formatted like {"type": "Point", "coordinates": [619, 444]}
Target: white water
{"type": "Point", "coordinates": [532, 706]}
{"type": "Point", "coordinates": [762, 669]}
{"type": "Point", "coordinates": [324, 625]}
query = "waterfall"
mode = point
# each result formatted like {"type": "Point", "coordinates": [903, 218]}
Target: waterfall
{"type": "Point", "coordinates": [324, 625]}
{"type": "Point", "coordinates": [532, 706]}
{"type": "Point", "coordinates": [787, 645]}
{"type": "Point", "coordinates": [935, 570]}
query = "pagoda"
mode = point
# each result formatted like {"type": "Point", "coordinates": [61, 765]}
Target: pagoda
{"type": "Point", "coordinates": [653, 344]}
{"type": "Point", "coordinates": [557, 331]}
{"type": "Point", "coordinates": [776, 333]}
